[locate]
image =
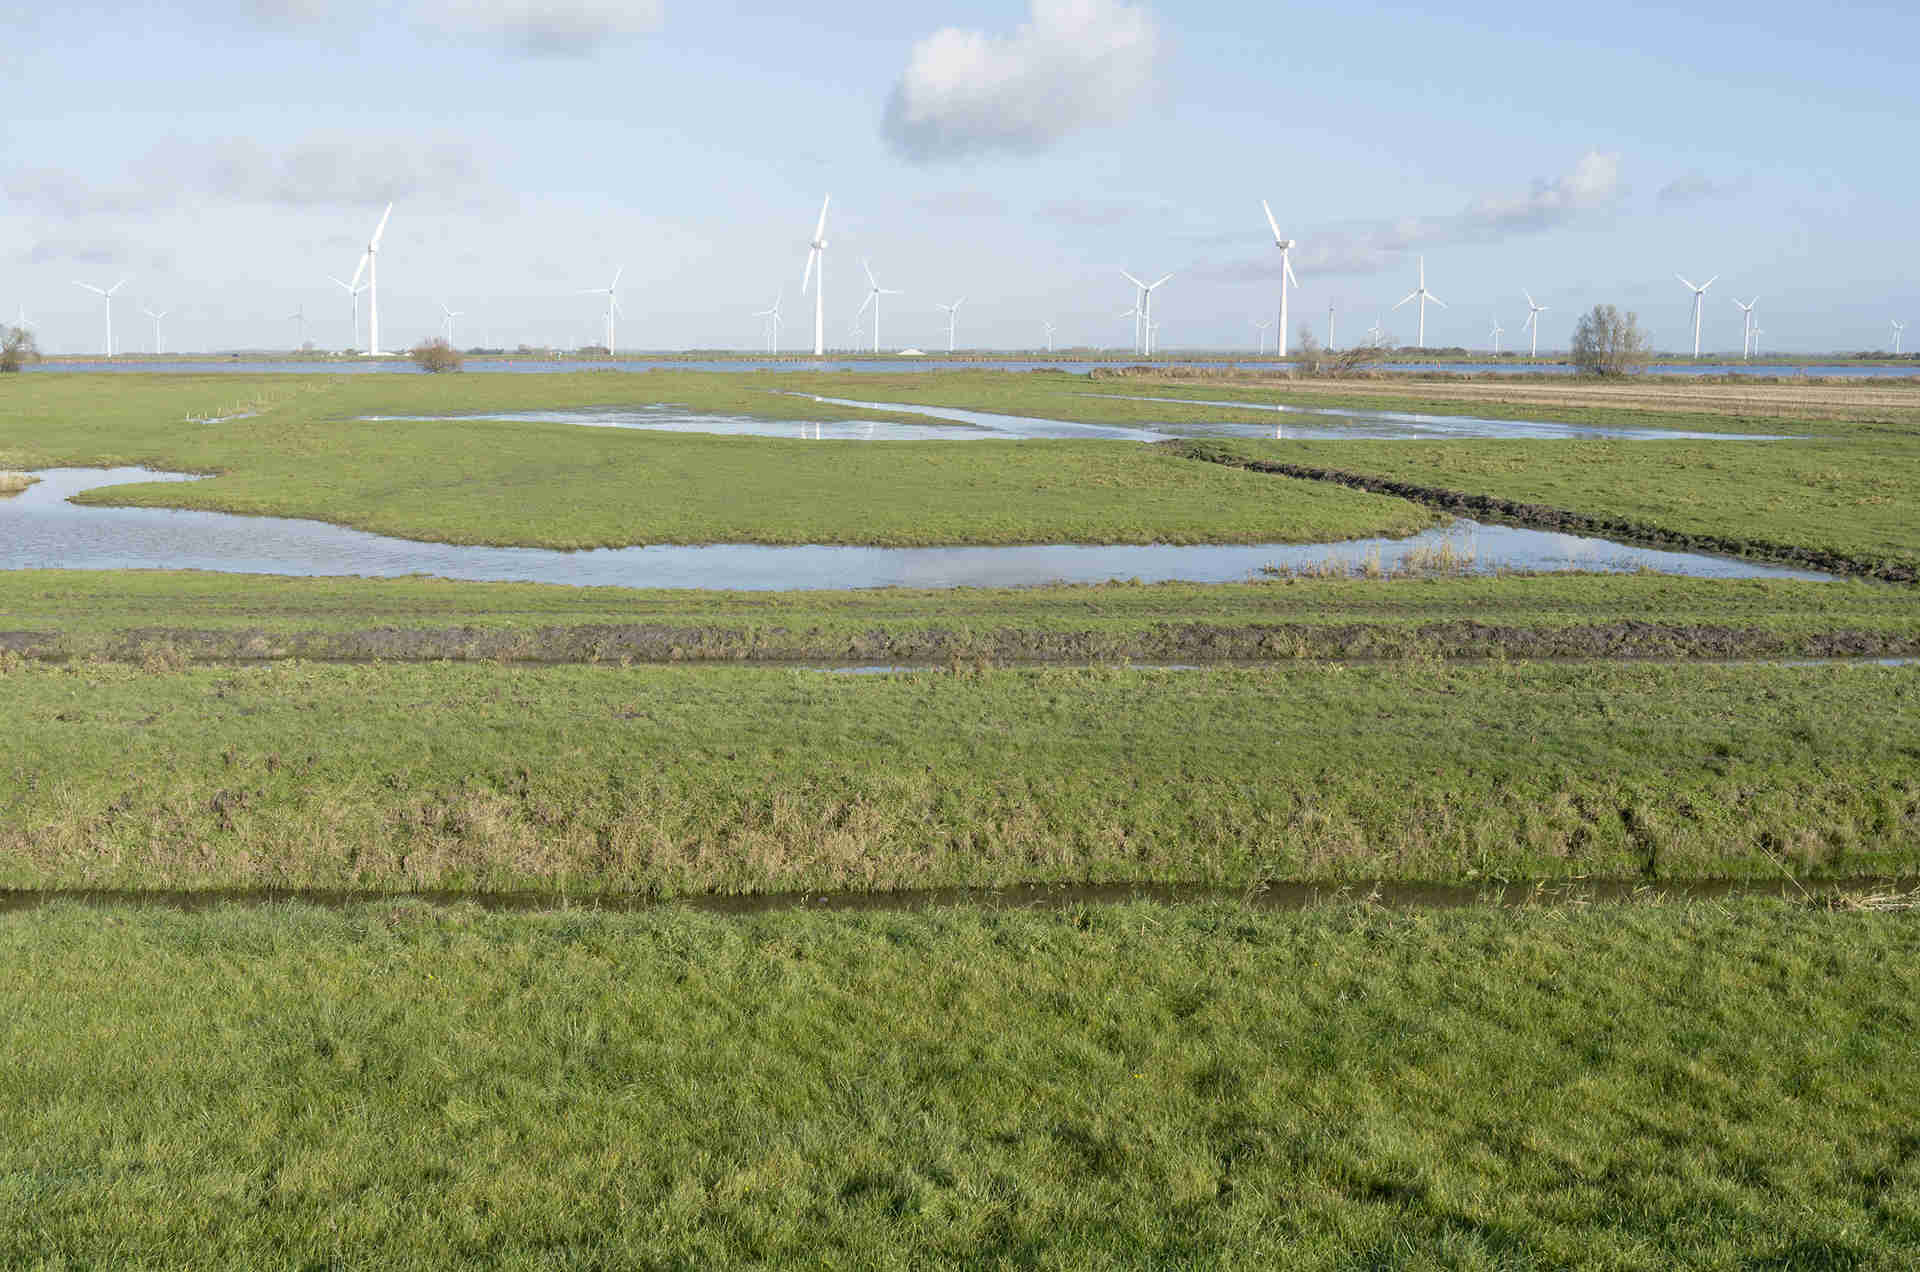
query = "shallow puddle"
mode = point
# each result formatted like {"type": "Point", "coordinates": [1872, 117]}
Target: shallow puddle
{"type": "Point", "coordinates": [40, 530]}
{"type": "Point", "coordinates": [1364, 425]}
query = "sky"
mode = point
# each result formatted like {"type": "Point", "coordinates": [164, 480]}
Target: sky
{"type": "Point", "coordinates": [226, 158]}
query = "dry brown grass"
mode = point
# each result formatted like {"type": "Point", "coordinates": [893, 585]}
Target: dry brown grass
{"type": "Point", "coordinates": [12, 483]}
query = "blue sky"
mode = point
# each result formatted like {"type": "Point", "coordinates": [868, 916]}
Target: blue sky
{"type": "Point", "coordinates": [228, 156]}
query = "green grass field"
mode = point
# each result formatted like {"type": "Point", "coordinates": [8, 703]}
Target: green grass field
{"type": "Point", "coordinates": [673, 780]}
{"type": "Point", "coordinates": [1646, 1087]}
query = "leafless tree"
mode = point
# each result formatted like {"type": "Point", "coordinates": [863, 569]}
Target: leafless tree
{"type": "Point", "coordinates": [1608, 342]}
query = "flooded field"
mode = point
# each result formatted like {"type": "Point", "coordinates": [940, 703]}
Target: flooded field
{"type": "Point", "coordinates": [40, 529]}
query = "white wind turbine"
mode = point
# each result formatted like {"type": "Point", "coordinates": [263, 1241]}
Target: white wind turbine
{"type": "Point", "coordinates": [353, 290]}
{"type": "Point", "coordinates": [1746, 327]}
{"type": "Point", "coordinates": [1699, 295]}
{"type": "Point", "coordinates": [107, 296]}
{"type": "Point", "coordinates": [772, 324]}
{"type": "Point", "coordinates": [953, 315]}
{"type": "Point", "coordinates": [1533, 320]}
{"type": "Point", "coordinates": [1143, 313]}
{"type": "Point", "coordinates": [1330, 345]}
{"type": "Point", "coordinates": [372, 260]}
{"type": "Point", "coordinates": [817, 273]}
{"type": "Point", "coordinates": [299, 318]}
{"type": "Point", "coordinates": [1423, 296]}
{"type": "Point", "coordinates": [1376, 333]}
{"type": "Point", "coordinates": [613, 302]}
{"type": "Point", "coordinates": [1286, 276]}
{"type": "Point", "coordinates": [1898, 328]}
{"type": "Point", "coordinates": [157, 348]}
{"type": "Point", "coordinates": [21, 323]}
{"type": "Point", "coordinates": [447, 317]}
{"type": "Point", "coordinates": [1756, 341]}
{"type": "Point", "coordinates": [1050, 330]}
{"type": "Point", "coordinates": [1498, 331]}
{"type": "Point", "coordinates": [1261, 326]}
{"type": "Point", "coordinates": [874, 292]}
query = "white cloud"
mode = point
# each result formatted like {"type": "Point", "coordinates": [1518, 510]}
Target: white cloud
{"type": "Point", "coordinates": [562, 27]}
{"type": "Point", "coordinates": [1073, 63]}
{"type": "Point", "coordinates": [1697, 187]}
{"type": "Point", "coordinates": [1592, 188]}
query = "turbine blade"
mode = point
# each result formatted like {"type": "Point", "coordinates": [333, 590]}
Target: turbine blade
{"type": "Point", "coordinates": [866, 265]}
{"type": "Point", "coordinates": [1529, 296]}
{"type": "Point", "coordinates": [359, 269]}
{"type": "Point", "coordinates": [616, 277]}
{"type": "Point", "coordinates": [806, 277]}
{"type": "Point", "coordinates": [1273, 224]}
{"type": "Point", "coordinates": [1436, 300]}
{"type": "Point", "coordinates": [1710, 282]}
{"type": "Point", "coordinates": [1410, 296]}
{"type": "Point", "coordinates": [1683, 280]}
{"type": "Point", "coordinates": [1290, 275]}
{"type": "Point", "coordinates": [1130, 278]}
{"type": "Point", "coordinates": [863, 306]}
{"type": "Point", "coordinates": [1163, 278]}
{"type": "Point", "coordinates": [820, 230]}
{"type": "Point", "coordinates": [373, 245]}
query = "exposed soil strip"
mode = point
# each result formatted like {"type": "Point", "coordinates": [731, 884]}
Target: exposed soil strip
{"type": "Point", "coordinates": [1267, 896]}
{"type": "Point", "coordinates": [1161, 643]}
{"type": "Point", "coordinates": [1544, 517]}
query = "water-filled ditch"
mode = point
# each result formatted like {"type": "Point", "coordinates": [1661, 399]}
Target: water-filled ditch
{"type": "Point", "coordinates": [40, 529]}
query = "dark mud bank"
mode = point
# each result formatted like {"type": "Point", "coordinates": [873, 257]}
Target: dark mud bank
{"type": "Point", "coordinates": [1163, 643]}
{"type": "Point", "coordinates": [1545, 517]}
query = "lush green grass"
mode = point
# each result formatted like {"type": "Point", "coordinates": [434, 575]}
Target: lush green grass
{"type": "Point", "coordinates": [1651, 1087]}
{"type": "Point", "coordinates": [306, 453]}
{"type": "Point", "coordinates": [738, 779]}
{"type": "Point", "coordinates": [84, 612]}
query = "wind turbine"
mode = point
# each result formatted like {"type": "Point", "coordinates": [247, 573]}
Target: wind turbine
{"type": "Point", "coordinates": [1533, 320]}
{"type": "Point", "coordinates": [1286, 276]}
{"type": "Point", "coordinates": [450, 314]}
{"type": "Point", "coordinates": [1898, 328]}
{"type": "Point", "coordinates": [953, 316]}
{"type": "Point", "coordinates": [1498, 331]}
{"type": "Point", "coordinates": [874, 292]}
{"type": "Point", "coordinates": [1423, 295]}
{"type": "Point", "coordinates": [156, 325]}
{"type": "Point", "coordinates": [1376, 333]}
{"type": "Point", "coordinates": [353, 290]}
{"type": "Point", "coordinates": [1746, 327]}
{"type": "Point", "coordinates": [1756, 342]}
{"type": "Point", "coordinates": [22, 324]}
{"type": "Point", "coordinates": [372, 259]}
{"type": "Point", "coordinates": [107, 296]}
{"type": "Point", "coordinates": [1143, 313]}
{"type": "Point", "coordinates": [1330, 345]}
{"type": "Point", "coordinates": [1050, 330]}
{"type": "Point", "coordinates": [1260, 327]}
{"type": "Point", "coordinates": [298, 316]}
{"type": "Point", "coordinates": [772, 323]}
{"type": "Point", "coordinates": [817, 272]}
{"type": "Point", "coordinates": [613, 302]}
{"type": "Point", "coordinates": [1699, 294]}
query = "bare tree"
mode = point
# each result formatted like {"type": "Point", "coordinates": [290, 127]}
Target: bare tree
{"type": "Point", "coordinates": [436, 355]}
{"type": "Point", "coordinates": [1370, 353]}
{"type": "Point", "coordinates": [17, 348]}
{"type": "Point", "coordinates": [1608, 342]}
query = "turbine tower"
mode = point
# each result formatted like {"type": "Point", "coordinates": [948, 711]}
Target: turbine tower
{"type": "Point", "coordinates": [372, 260]}
{"type": "Point", "coordinates": [1260, 328]}
{"type": "Point", "coordinates": [353, 290]}
{"type": "Point", "coordinates": [953, 315]}
{"type": "Point", "coordinates": [817, 272]}
{"type": "Point", "coordinates": [1533, 320]}
{"type": "Point", "coordinates": [1143, 313]}
{"type": "Point", "coordinates": [613, 302]}
{"type": "Point", "coordinates": [772, 324]}
{"type": "Point", "coordinates": [299, 317]}
{"type": "Point", "coordinates": [1330, 345]}
{"type": "Point", "coordinates": [1498, 331]}
{"type": "Point", "coordinates": [874, 292]}
{"type": "Point", "coordinates": [1423, 295]}
{"type": "Point", "coordinates": [1746, 327]}
{"type": "Point", "coordinates": [156, 325]}
{"type": "Point", "coordinates": [1050, 330]}
{"type": "Point", "coordinates": [448, 315]}
{"type": "Point", "coordinates": [107, 296]}
{"type": "Point", "coordinates": [1898, 328]}
{"type": "Point", "coordinates": [1286, 276]}
{"type": "Point", "coordinates": [1699, 295]}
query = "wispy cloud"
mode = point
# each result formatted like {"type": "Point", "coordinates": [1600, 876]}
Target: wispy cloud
{"type": "Point", "coordinates": [1697, 187]}
{"type": "Point", "coordinates": [318, 172]}
{"type": "Point", "coordinates": [78, 249]}
{"type": "Point", "coordinates": [1071, 64]}
{"type": "Point", "coordinates": [1593, 187]}
{"type": "Point", "coordinates": [567, 28]}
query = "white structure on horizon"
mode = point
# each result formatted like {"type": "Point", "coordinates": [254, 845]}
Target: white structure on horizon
{"type": "Point", "coordinates": [817, 272]}
{"type": "Point", "coordinates": [157, 346]}
{"type": "Point", "coordinates": [1261, 326]}
{"type": "Point", "coordinates": [874, 292]}
{"type": "Point", "coordinates": [1498, 331]}
{"type": "Point", "coordinates": [1286, 276]}
{"type": "Point", "coordinates": [953, 314]}
{"type": "Point", "coordinates": [1330, 344]}
{"type": "Point", "coordinates": [450, 314]}
{"type": "Point", "coordinates": [1746, 327]}
{"type": "Point", "coordinates": [1898, 329]}
{"type": "Point", "coordinates": [1699, 295]}
{"type": "Point", "coordinates": [1050, 330]}
{"type": "Point", "coordinates": [372, 261]}
{"type": "Point", "coordinates": [353, 291]}
{"type": "Point", "coordinates": [613, 302]}
{"type": "Point", "coordinates": [105, 295]}
{"type": "Point", "coordinates": [771, 327]}
{"type": "Point", "coordinates": [1533, 320]}
{"type": "Point", "coordinates": [1421, 294]}
{"type": "Point", "coordinates": [1142, 313]}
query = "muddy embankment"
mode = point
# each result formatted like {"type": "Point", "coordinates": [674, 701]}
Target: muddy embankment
{"type": "Point", "coordinates": [1160, 644]}
{"type": "Point", "coordinates": [1545, 517]}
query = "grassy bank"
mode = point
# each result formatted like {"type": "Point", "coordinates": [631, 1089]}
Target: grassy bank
{"type": "Point", "coordinates": [298, 447]}
{"type": "Point", "coordinates": [1649, 1087]}
{"type": "Point", "coordinates": [725, 779]}
{"type": "Point", "coordinates": [139, 614]}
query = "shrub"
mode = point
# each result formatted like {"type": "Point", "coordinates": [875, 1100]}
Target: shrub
{"type": "Point", "coordinates": [17, 348]}
{"type": "Point", "coordinates": [1608, 342]}
{"type": "Point", "coordinates": [436, 355]}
